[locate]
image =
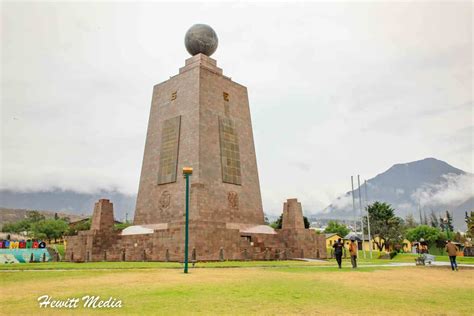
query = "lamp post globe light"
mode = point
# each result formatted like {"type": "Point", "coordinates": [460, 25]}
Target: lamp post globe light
{"type": "Point", "coordinates": [446, 226]}
{"type": "Point", "coordinates": [187, 172]}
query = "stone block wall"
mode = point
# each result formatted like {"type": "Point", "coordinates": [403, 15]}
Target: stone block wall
{"type": "Point", "coordinates": [209, 241]}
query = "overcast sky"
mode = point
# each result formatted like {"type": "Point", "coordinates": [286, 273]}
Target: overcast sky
{"type": "Point", "coordinates": [336, 89]}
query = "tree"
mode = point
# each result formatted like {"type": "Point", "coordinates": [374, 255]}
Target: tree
{"type": "Point", "coordinates": [76, 227]}
{"type": "Point", "coordinates": [410, 221]}
{"type": "Point", "coordinates": [17, 227]}
{"type": "Point", "coordinates": [441, 223]}
{"type": "Point", "coordinates": [449, 222]}
{"type": "Point", "coordinates": [23, 225]}
{"type": "Point", "coordinates": [34, 216]}
{"type": "Point", "coordinates": [470, 225]}
{"type": "Point", "coordinates": [384, 224]}
{"type": "Point", "coordinates": [446, 224]}
{"type": "Point", "coordinates": [306, 222]}
{"type": "Point", "coordinates": [441, 240]}
{"type": "Point", "coordinates": [434, 220]}
{"type": "Point", "coordinates": [425, 219]}
{"type": "Point", "coordinates": [277, 224]}
{"type": "Point", "coordinates": [428, 233]}
{"type": "Point", "coordinates": [335, 227]}
{"type": "Point", "coordinates": [49, 229]}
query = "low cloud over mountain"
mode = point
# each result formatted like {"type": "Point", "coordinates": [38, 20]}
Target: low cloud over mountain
{"type": "Point", "coordinates": [68, 201]}
{"type": "Point", "coordinates": [413, 188]}
{"type": "Point", "coordinates": [423, 185]}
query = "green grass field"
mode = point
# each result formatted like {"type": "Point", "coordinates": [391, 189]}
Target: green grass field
{"type": "Point", "coordinates": [401, 258]}
{"type": "Point", "coordinates": [265, 287]}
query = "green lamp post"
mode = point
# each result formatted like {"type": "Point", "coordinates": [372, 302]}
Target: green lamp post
{"type": "Point", "coordinates": [187, 172]}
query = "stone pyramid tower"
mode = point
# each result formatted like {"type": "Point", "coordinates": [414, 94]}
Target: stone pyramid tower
{"type": "Point", "coordinates": [200, 119]}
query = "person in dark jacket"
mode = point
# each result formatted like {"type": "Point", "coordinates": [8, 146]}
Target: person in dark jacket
{"type": "Point", "coordinates": [452, 250]}
{"type": "Point", "coordinates": [338, 248]}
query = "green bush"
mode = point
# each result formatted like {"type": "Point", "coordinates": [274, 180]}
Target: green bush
{"type": "Point", "coordinates": [429, 234]}
{"type": "Point", "coordinates": [49, 229]}
{"type": "Point", "coordinates": [336, 228]}
{"type": "Point", "coordinates": [122, 226]}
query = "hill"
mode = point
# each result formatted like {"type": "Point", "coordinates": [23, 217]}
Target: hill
{"type": "Point", "coordinates": [412, 188]}
{"type": "Point", "coordinates": [13, 215]}
{"type": "Point", "coordinates": [69, 202]}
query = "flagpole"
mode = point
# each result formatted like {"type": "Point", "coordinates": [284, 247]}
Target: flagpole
{"type": "Point", "coordinates": [353, 204]}
{"type": "Point", "coordinates": [368, 218]}
{"type": "Point", "coordinates": [361, 222]}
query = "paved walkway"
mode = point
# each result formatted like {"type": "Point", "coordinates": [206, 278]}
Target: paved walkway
{"type": "Point", "coordinates": [361, 266]}
{"type": "Point", "coordinates": [395, 264]}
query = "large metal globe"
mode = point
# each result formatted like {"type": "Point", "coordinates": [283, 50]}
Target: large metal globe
{"type": "Point", "coordinates": [201, 39]}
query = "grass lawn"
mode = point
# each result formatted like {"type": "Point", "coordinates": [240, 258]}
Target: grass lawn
{"type": "Point", "coordinates": [410, 258]}
{"type": "Point", "coordinates": [60, 248]}
{"type": "Point", "coordinates": [285, 287]}
{"type": "Point", "coordinates": [159, 265]}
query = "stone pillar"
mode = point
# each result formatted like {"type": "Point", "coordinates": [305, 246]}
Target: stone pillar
{"type": "Point", "coordinates": [103, 216]}
{"type": "Point", "coordinates": [292, 215]}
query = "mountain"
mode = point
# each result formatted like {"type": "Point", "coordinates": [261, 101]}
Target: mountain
{"type": "Point", "coordinates": [14, 215]}
{"type": "Point", "coordinates": [412, 188]}
{"type": "Point", "coordinates": [68, 201]}
{"type": "Point", "coordinates": [423, 185]}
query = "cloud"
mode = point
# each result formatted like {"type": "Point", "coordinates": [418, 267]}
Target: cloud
{"type": "Point", "coordinates": [342, 202]}
{"type": "Point", "coordinates": [405, 208]}
{"type": "Point", "coordinates": [335, 89]}
{"type": "Point", "coordinates": [452, 190]}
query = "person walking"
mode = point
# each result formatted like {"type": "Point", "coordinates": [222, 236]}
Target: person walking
{"type": "Point", "coordinates": [452, 250]}
{"type": "Point", "coordinates": [338, 247]}
{"type": "Point", "coordinates": [353, 251]}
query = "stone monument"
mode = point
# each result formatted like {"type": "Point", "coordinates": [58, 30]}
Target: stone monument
{"type": "Point", "coordinates": [199, 118]}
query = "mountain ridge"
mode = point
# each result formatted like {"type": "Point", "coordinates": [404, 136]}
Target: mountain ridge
{"type": "Point", "coordinates": [68, 201]}
{"type": "Point", "coordinates": [427, 184]}
{"type": "Point", "coordinates": [424, 185]}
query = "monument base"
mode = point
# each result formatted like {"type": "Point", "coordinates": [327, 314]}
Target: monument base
{"type": "Point", "coordinates": [209, 241]}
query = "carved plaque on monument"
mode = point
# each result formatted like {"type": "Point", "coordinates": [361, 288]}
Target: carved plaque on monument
{"type": "Point", "coordinates": [233, 199]}
{"type": "Point", "coordinates": [230, 153]}
{"type": "Point", "coordinates": [169, 150]}
{"type": "Point", "coordinates": [165, 200]}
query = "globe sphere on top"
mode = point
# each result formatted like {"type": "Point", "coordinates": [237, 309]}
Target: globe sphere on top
{"type": "Point", "coordinates": [201, 39]}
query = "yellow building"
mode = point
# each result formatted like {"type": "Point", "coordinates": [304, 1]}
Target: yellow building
{"type": "Point", "coordinates": [405, 245]}
{"type": "Point", "coordinates": [364, 245]}
{"type": "Point", "coordinates": [331, 239]}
